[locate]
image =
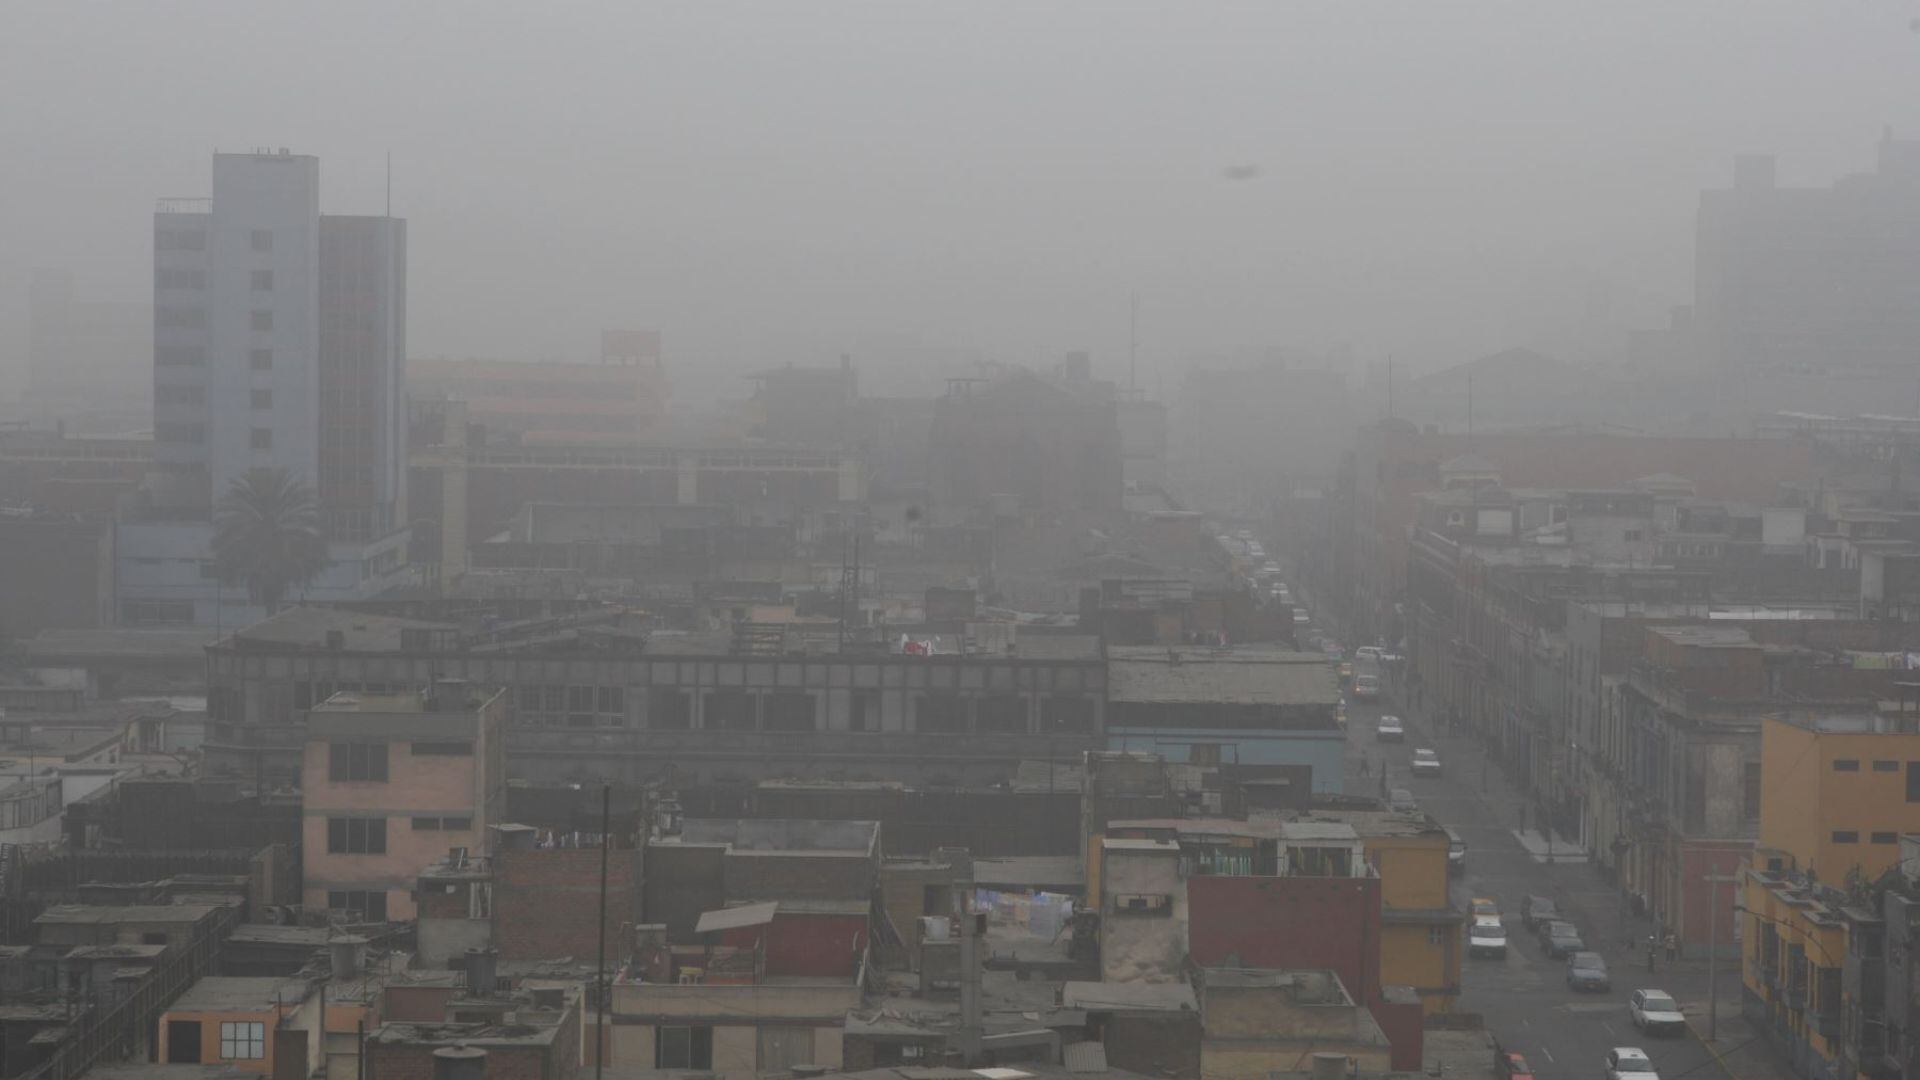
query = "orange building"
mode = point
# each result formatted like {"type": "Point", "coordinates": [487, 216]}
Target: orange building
{"type": "Point", "coordinates": [245, 1023]}
{"type": "Point", "coordinates": [392, 782]}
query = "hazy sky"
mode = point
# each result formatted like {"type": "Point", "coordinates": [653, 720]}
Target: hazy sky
{"type": "Point", "coordinates": [791, 180]}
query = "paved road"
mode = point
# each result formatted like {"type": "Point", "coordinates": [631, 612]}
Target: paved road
{"type": "Point", "coordinates": [1524, 998]}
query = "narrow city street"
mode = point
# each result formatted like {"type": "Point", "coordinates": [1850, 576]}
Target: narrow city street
{"type": "Point", "coordinates": [1524, 999]}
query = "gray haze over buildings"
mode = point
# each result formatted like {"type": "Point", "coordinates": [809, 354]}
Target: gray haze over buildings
{"type": "Point", "coordinates": [921, 184]}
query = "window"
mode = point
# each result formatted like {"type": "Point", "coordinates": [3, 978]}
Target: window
{"type": "Point", "coordinates": [180, 355]}
{"type": "Point", "coordinates": [1886, 766]}
{"type": "Point", "coordinates": [358, 761]}
{"type": "Point", "coordinates": [242, 1040]}
{"type": "Point", "coordinates": [1752, 791]}
{"type": "Point", "coordinates": [1885, 838]}
{"type": "Point", "coordinates": [1845, 836]}
{"type": "Point", "coordinates": [261, 239]}
{"type": "Point", "coordinates": [426, 824]}
{"type": "Point", "coordinates": [669, 709]}
{"type": "Point", "coordinates": [356, 836]}
{"type": "Point", "coordinates": [941, 714]}
{"type": "Point", "coordinates": [180, 318]}
{"type": "Point", "coordinates": [260, 359]}
{"type": "Point", "coordinates": [729, 710]}
{"type": "Point", "coordinates": [180, 240]}
{"type": "Point", "coordinates": [263, 399]}
{"type": "Point", "coordinates": [683, 1048]}
{"type": "Point", "coordinates": [456, 824]}
{"type": "Point", "coordinates": [1002, 715]}
{"type": "Point", "coordinates": [1913, 781]}
{"type": "Point", "coordinates": [1066, 714]}
{"type": "Point", "coordinates": [263, 321]}
{"type": "Point", "coordinates": [180, 279]}
{"type": "Point", "coordinates": [1436, 935]}
{"type": "Point", "coordinates": [1846, 765]}
{"type": "Point", "coordinates": [443, 749]}
{"type": "Point", "coordinates": [365, 905]}
{"type": "Point", "coordinates": [262, 281]}
{"type": "Point", "coordinates": [1142, 904]}
{"type": "Point", "coordinates": [863, 711]}
{"type": "Point", "coordinates": [610, 700]}
{"type": "Point", "coordinates": [261, 438]}
{"type": "Point", "coordinates": [790, 712]}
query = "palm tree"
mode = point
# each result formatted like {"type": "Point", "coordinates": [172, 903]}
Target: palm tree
{"type": "Point", "coordinates": [266, 533]}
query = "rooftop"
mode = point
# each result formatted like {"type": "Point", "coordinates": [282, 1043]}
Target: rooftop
{"type": "Point", "coordinates": [1105, 996]}
{"type": "Point", "coordinates": [309, 627]}
{"type": "Point", "coordinates": [779, 835]}
{"type": "Point", "coordinates": [227, 993]}
{"type": "Point", "coordinates": [1176, 676]}
{"type": "Point", "coordinates": [107, 915]}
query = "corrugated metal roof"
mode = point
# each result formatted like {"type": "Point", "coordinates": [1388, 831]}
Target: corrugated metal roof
{"type": "Point", "coordinates": [1230, 677]}
{"type": "Point", "coordinates": [735, 917]}
{"type": "Point", "coordinates": [1085, 1057]}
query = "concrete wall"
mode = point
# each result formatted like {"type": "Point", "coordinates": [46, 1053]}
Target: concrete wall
{"type": "Point", "coordinates": [681, 882]}
{"type": "Point", "coordinates": [1143, 947]}
{"type": "Point", "coordinates": [799, 875]}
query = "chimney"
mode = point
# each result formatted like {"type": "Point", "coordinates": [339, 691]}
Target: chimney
{"type": "Point", "coordinates": [481, 965]}
{"type": "Point", "coordinates": [459, 1063]}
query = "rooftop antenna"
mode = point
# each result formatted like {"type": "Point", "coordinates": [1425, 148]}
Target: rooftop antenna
{"type": "Point", "coordinates": [1469, 410]}
{"type": "Point", "coordinates": [1389, 386]}
{"type": "Point", "coordinates": [389, 183]}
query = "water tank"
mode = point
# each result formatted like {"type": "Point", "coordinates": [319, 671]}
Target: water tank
{"type": "Point", "coordinates": [459, 1063]}
{"type": "Point", "coordinates": [348, 953]}
{"type": "Point", "coordinates": [1329, 1067]}
{"type": "Point", "coordinates": [481, 966]}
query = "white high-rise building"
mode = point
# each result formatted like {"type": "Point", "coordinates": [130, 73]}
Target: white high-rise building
{"type": "Point", "coordinates": [279, 342]}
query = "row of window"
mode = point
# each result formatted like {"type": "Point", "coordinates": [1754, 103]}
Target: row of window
{"type": "Point", "coordinates": [196, 356]}
{"type": "Point", "coordinates": [1850, 836]}
{"type": "Point", "coordinates": [196, 239]}
{"type": "Point", "coordinates": [368, 836]}
{"type": "Point", "coordinates": [1883, 765]}
{"type": "Point", "coordinates": [368, 760]}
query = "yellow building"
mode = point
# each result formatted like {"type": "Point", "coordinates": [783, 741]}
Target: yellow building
{"type": "Point", "coordinates": [1420, 932]}
{"type": "Point", "coordinates": [1794, 951]}
{"type": "Point", "coordinates": [1837, 792]}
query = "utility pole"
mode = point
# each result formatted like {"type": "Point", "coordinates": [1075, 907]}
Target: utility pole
{"type": "Point", "coordinates": [602, 991]}
{"type": "Point", "coordinates": [1713, 951]}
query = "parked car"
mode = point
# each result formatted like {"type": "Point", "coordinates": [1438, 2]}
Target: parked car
{"type": "Point", "coordinates": [1401, 799]}
{"type": "Point", "coordinates": [1588, 971]}
{"type": "Point", "coordinates": [1655, 1013]}
{"type": "Point", "coordinates": [1300, 617]}
{"type": "Point", "coordinates": [1426, 763]}
{"type": "Point", "coordinates": [1456, 853]}
{"type": "Point", "coordinates": [1630, 1063]}
{"type": "Point", "coordinates": [1484, 905]}
{"type": "Point", "coordinates": [1487, 936]}
{"type": "Point", "coordinates": [1536, 910]}
{"type": "Point", "coordinates": [1364, 686]}
{"type": "Point", "coordinates": [1561, 939]}
{"type": "Point", "coordinates": [1367, 652]}
{"type": "Point", "coordinates": [1389, 729]}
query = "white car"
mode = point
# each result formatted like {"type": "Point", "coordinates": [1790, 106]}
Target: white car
{"type": "Point", "coordinates": [1426, 763]}
{"type": "Point", "coordinates": [1630, 1063]}
{"type": "Point", "coordinates": [1487, 936]}
{"type": "Point", "coordinates": [1300, 617]}
{"type": "Point", "coordinates": [1655, 1013]}
{"type": "Point", "coordinates": [1367, 652]}
{"type": "Point", "coordinates": [1390, 730]}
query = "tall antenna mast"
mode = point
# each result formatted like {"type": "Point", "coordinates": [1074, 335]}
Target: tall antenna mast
{"type": "Point", "coordinates": [389, 183]}
{"type": "Point", "coordinates": [1469, 410]}
{"type": "Point", "coordinates": [1133, 345]}
{"type": "Point", "coordinates": [1389, 386]}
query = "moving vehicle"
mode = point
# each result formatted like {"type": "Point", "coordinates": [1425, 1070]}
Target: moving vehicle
{"type": "Point", "coordinates": [1630, 1063]}
{"type": "Point", "coordinates": [1588, 971]}
{"type": "Point", "coordinates": [1390, 730]}
{"type": "Point", "coordinates": [1561, 939]}
{"type": "Point", "coordinates": [1401, 799]}
{"type": "Point", "coordinates": [1513, 1066]}
{"type": "Point", "coordinates": [1346, 673]}
{"type": "Point", "coordinates": [1364, 686]}
{"type": "Point", "coordinates": [1456, 852]}
{"type": "Point", "coordinates": [1300, 617]}
{"type": "Point", "coordinates": [1484, 905]}
{"type": "Point", "coordinates": [1426, 762]}
{"type": "Point", "coordinates": [1536, 910]}
{"type": "Point", "coordinates": [1655, 1013]}
{"type": "Point", "coordinates": [1487, 936]}
{"type": "Point", "coordinates": [1370, 653]}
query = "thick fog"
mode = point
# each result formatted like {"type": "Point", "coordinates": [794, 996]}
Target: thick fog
{"type": "Point", "coordinates": [911, 181]}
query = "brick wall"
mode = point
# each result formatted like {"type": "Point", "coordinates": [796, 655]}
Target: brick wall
{"type": "Point", "coordinates": [545, 902]}
{"type": "Point", "coordinates": [1289, 922]}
